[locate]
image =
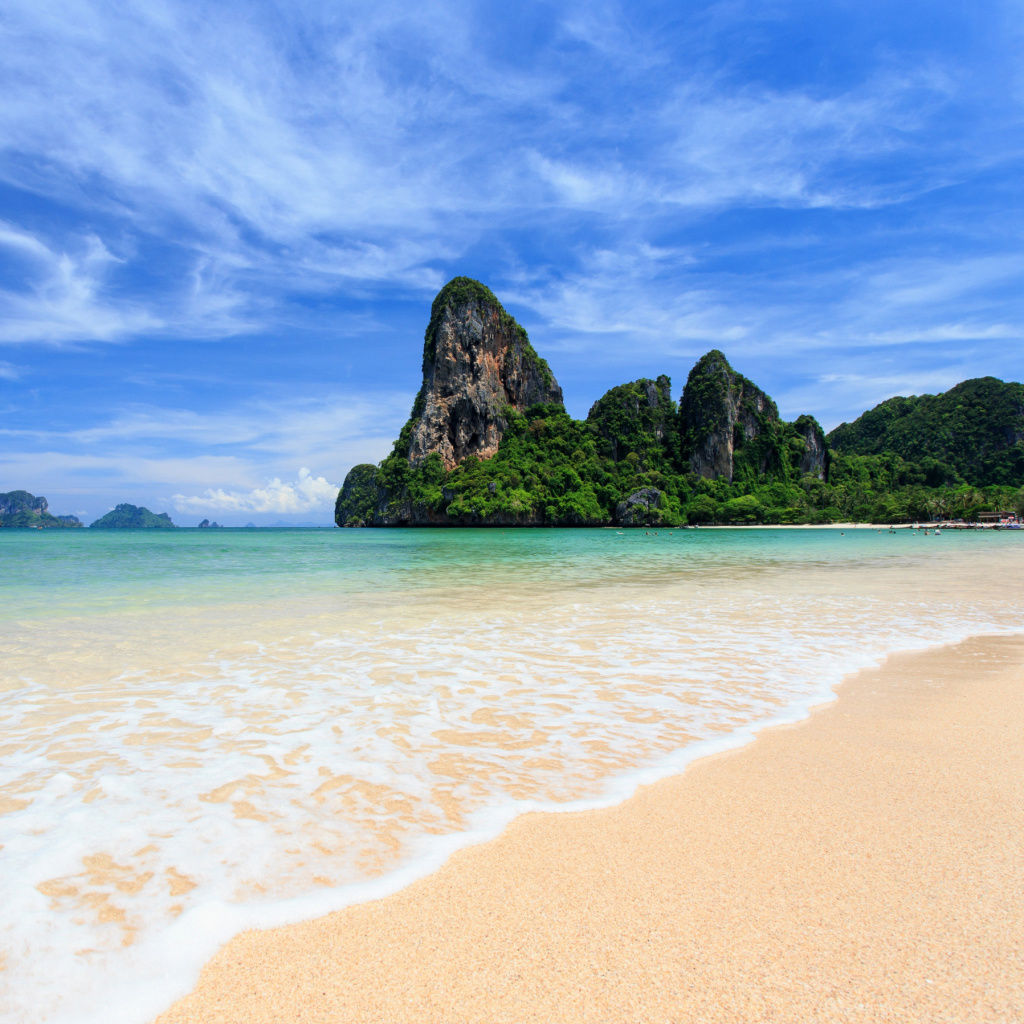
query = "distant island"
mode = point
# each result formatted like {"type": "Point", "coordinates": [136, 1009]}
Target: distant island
{"type": "Point", "coordinates": [489, 443]}
{"type": "Point", "coordinates": [131, 517]}
{"type": "Point", "coordinates": [19, 508]}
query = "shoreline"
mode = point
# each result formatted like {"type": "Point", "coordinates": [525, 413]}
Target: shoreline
{"type": "Point", "coordinates": [606, 914]}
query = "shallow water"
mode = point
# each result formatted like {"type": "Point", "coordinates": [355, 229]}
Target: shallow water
{"type": "Point", "coordinates": [208, 730]}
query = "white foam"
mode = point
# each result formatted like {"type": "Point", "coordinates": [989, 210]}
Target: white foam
{"type": "Point", "coordinates": [339, 756]}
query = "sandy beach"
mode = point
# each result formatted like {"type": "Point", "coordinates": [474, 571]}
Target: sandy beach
{"type": "Point", "coordinates": [864, 865]}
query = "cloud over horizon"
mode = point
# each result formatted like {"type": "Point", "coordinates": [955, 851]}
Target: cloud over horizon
{"type": "Point", "coordinates": [306, 494]}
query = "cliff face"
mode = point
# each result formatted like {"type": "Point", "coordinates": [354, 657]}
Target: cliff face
{"type": "Point", "coordinates": [477, 362]}
{"type": "Point", "coordinates": [719, 412]}
{"type": "Point", "coordinates": [478, 369]}
{"type": "Point", "coordinates": [816, 458]}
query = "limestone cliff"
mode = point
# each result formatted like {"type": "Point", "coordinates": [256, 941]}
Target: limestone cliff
{"type": "Point", "coordinates": [730, 429]}
{"type": "Point", "coordinates": [477, 363]}
{"type": "Point", "coordinates": [479, 369]}
{"type": "Point", "coordinates": [20, 508]}
{"type": "Point", "coordinates": [815, 459]}
{"type": "Point", "coordinates": [720, 410]}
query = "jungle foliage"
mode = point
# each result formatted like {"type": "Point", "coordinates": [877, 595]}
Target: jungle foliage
{"type": "Point", "coordinates": [551, 469]}
{"type": "Point", "coordinates": [974, 431]}
{"type": "Point", "coordinates": [132, 517]}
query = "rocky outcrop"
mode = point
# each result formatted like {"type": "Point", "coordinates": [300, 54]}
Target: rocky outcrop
{"type": "Point", "coordinates": [477, 363]}
{"type": "Point", "coordinates": [22, 501]}
{"type": "Point", "coordinates": [358, 498]}
{"type": "Point", "coordinates": [720, 411]}
{"type": "Point", "coordinates": [636, 417]}
{"type": "Point", "coordinates": [816, 458]}
{"type": "Point", "coordinates": [19, 508]}
{"type": "Point", "coordinates": [640, 508]}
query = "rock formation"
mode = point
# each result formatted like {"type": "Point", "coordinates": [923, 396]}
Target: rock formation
{"type": "Point", "coordinates": [640, 508]}
{"type": "Point", "coordinates": [477, 363]}
{"type": "Point", "coordinates": [719, 411]}
{"type": "Point", "coordinates": [489, 442]}
{"type": "Point", "coordinates": [19, 508]}
{"type": "Point", "coordinates": [358, 498]}
{"type": "Point", "coordinates": [132, 517]}
{"type": "Point", "coordinates": [816, 458]}
{"type": "Point", "coordinates": [635, 417]}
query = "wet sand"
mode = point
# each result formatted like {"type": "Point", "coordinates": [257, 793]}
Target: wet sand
{"type": "Point", "coordinates": [865, 865]}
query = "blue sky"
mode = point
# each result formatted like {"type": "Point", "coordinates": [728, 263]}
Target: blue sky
{"type": "Point", "coordinates": [222, 224]}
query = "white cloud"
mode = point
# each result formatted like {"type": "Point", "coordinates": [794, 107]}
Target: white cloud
{"type": "Point", "coordinates": [238, 457]}
{"type": "Point", "coordinates": [306, 494]}
{"type": "Point", "coordinates": [64, 300]}
{"type": "Point", "coordinates": [348, 145]}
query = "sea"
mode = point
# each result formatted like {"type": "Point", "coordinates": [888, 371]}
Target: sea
{"type": "Point", "coordinates": [205, 731]}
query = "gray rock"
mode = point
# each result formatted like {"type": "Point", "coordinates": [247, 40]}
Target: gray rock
{"type": "Point", "coordinates": [640, 508]}
{"type": "Point", "coordinates": [478, 362]}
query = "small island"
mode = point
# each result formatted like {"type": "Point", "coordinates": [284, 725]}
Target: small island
{"type": "Point", "coordinates": [20, 508]}
{"type": "Point", "coordinates": [132, 517]}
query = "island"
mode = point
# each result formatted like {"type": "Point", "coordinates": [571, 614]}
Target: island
{"type": "Point", "coordinates": [20, 508]}
{"type": "Point", "coordinates": [132, 517]}
{"type": "Point", "coordinates": [489, 443]}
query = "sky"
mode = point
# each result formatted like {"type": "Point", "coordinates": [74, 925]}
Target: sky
{"type": "Point", "coordinates": [222, 224]}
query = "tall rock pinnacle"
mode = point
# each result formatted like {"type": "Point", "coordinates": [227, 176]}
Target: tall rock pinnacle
{"type": "Point", "coordinates": [477, 363]}
{"type": "Point", "coordinates": [719, 412]}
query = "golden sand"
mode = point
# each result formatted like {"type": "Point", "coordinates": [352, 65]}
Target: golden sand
{"type": "Point", "coordinates": [866, 865]}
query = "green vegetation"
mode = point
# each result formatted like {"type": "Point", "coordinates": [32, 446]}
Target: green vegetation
{"type": "Point", "coordinates": [639, 417]}
{"type": "Point", "coordinates": [357, 500]}
{"type": "Point", "coordinates": [553, 470]}
{"type": "Point", "coordinates": [131, 517]}
{"type": "Point", "coordinates": [19, 508]}
{"type": "Point", "coordinates": [974, 432]}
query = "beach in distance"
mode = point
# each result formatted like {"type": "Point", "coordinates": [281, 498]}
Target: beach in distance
{"type": "Point", "coordinates": [210, 732]}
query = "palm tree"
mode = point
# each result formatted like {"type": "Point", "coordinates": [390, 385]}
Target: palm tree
{"type": "Point", "coordinates": [936, 507]}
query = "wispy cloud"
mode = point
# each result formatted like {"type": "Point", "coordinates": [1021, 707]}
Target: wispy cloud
{"type": "Point", "coordinates": [350, 146]}
{"type": "Point", "coordinates": [62, 298]}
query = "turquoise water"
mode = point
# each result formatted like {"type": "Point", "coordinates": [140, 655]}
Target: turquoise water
{"type": "Point", "coordinates": [209, 730]}
{"type": "Point", "coordinates": [65, 572]}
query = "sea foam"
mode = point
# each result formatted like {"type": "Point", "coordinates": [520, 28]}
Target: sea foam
{"type": "Point", "coordinates": [154, 811]}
